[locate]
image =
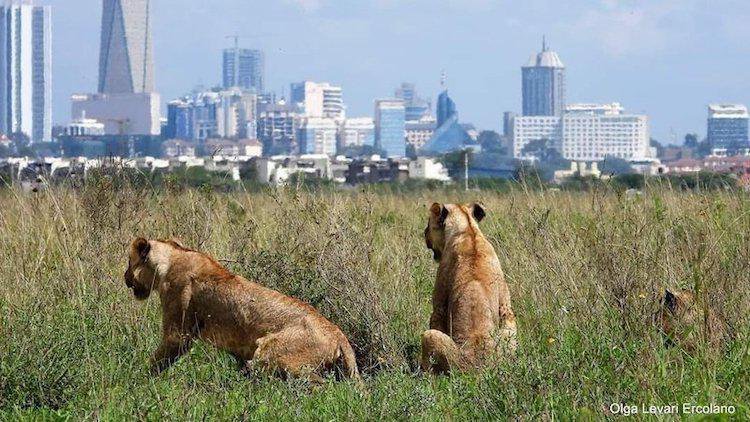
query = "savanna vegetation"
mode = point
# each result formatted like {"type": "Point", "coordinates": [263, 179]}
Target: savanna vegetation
{"type": "Point", "coordinates": [586, 271]}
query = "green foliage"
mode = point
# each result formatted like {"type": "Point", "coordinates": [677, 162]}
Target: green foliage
{"type": "Point", "coordinates": [491, 142]}
{"type": "Point", "coordinates": [691, 140]}
{"type": "Point", "coordinates": [614, 166]}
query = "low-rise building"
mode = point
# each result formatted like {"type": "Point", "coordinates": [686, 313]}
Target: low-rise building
{"type": "Point", "coordinates": [177, 148]}
{"type": "Point", "coordinates": [428, 169]}
{"type": "Point", "coordinates": [278, 170]}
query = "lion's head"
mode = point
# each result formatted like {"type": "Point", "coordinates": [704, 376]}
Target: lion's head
{"type": "Point", "coordinates": [449, 219]}
{"type": "Point", "coordinates": [688, 322]}
{"type": "Point", "coordinates": [140, 275]}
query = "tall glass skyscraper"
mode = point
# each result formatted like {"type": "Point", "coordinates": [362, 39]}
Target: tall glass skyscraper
{"type": "Point", "coordinates": [446, 108]}
{"type": "Point", "coordinates": [543, 84]}
{"type": "Point", "coordinates": [25, 70]}
{"type": "Point", "coordinates": [126, 59]}
{"type": "Point", "coordinates": [390, 131]}
{"type": "Point", "coordinates": [244, 68]}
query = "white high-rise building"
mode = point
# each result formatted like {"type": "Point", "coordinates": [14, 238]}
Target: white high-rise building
{"type": "Point", "coordinates": [25, 70]}
{"type": "Point", "coordinates": [357, 132]}
{"type": "Point", "coordinates": [317, 135]}
{"type": "Point", "coordinates": [586, 132]}
{"type": "Point", "coordinates": [319, 99]}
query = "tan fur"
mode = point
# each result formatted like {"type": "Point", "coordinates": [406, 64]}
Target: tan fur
{"type": "Point", "coordinates": [688, 323]}
{"type": "Point", "coordinates": [472, 319]}
{"type": "Point", "coordinates": [200, 299]}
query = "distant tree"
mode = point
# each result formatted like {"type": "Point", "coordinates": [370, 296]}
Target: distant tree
{"type": "Point", "coordinates": [529, 175]}
{"type": "Point", "coordinates": [704, 148]}
{"type": "Point", "coordinates": [691, 140]}
{"type": "Point", "coordinates": [615, 166]}
{"type": "Point", "coordinates": [491, 141]}
{"type": "Point", "coordinates": [541, 149]}
{"type": "Point", "coordinates": [454, 162]}
{"type": "Point", "coordinates": [659, 147]}
{"type": "Point", "coordinates": [4, 151]}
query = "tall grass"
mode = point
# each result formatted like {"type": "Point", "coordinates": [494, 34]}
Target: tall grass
{"type": "Point", "coordinates": [586, 272]}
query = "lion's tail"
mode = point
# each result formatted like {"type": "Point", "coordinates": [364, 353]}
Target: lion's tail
{"type": "Point", "coordinates": [348, 359]}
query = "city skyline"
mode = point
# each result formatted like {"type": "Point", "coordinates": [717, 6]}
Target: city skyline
{"type": "Point", "coordinates": [655, 60]}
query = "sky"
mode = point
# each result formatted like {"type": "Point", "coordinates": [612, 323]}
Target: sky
{"type": "Point", "coordinates": [666, 58]}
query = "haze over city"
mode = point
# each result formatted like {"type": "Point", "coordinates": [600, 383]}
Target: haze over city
{"type": "Point", "coordinates": [669, 60]}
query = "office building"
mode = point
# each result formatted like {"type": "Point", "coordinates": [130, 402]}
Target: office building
{"type": "Point", "coordinates": [415, 107]}
{"type": "Point", "coordinates": [244, 68]}
{"type": "Point", "coordinates": [121, 114]}
{"type": "Point", "coordinates": [543, 84]}
{"type": "Point", "coordinates": [419, 132]}
{"type": "Point", "coordinates": [277, 128]}
{"type": "Point", "coordinates": [449, 135]}
{"type": "Point", "coordinates": [84, 127]}
{"type": "Point", "coordinates": [317, 135]}
{"type": "Point", "coordinates": [126, 102]}
{"type": "Point", "coordinates": [727, 126]}
{"type": "Point", "coordinates": [446, 108]}
{"type": "Point", "coordinates": [318, 99]}
{"type": "Point", "coordinates": [25, 70]}
{"type": "Point", "coordinates": [228, 114]}
{"type": "Point", "coordinates": [586, 132]}
{"type": "Point", "coordinates": [390, 133]}
{"type": "Point", "coordinates": [126, 62]}
{"type": "Point", "coordinates": [357, 132]}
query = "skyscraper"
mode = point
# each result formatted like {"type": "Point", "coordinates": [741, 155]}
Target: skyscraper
{"type": "Point", "coordinates": [244, 68]}
{"type": "Point", "coordinates": [390, 132]}
{"type": "Point", "coordinates": [728, 126]}
{"type": "Point", "coordinates": [25, 70]}
{"type": "Point", "coordinates": [318, 99]}
{"type": "Point", "coordinates": [543, 84]}
{"type": "Point", "coordinates": [126, 63]}
{"type": "Point", "coordinates": [126, 102]}
{"type": "Point", "coordinates": [416, 107]}
{"type": "Point", "coordinates": [446, 108]}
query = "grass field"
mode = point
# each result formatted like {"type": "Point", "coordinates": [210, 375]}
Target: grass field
{"type": "Point", "coordinates": [586, 272]}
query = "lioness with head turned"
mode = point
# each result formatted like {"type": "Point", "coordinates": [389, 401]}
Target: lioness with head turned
{"type": "Point", "coordinates": [691, 323]}
{"type": "Point", "coordinates": [472, 320]}
{"type": "Point", "coordinates": [200, 299]}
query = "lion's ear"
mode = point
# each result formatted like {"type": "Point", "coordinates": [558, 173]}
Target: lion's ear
{"type": "Point", "coordinates": [440, 212]}
{"type": "Point", "coordinates": [477, 210]}
{"type": "Point", "coordinates": [436, 209]}
{"type": "Point", "coordinates": [670, 300]}
{"type": "Point", "coordinates": [142, 246]}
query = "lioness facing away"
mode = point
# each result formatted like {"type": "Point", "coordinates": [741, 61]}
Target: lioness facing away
{"type": "Point", "coordinates": [472, 320]}
{"type": "Point", "coordinates": [200, 299]}
{"type": "Point", "coordinates": [687, 323]}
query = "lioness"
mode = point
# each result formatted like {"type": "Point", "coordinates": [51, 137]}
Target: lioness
{"type": "Point", "coordinates": [201, 299]}
{"type": "Point", "coordinates": [688, 324]}
{"type": "Point", "coordinates": [472, 319]}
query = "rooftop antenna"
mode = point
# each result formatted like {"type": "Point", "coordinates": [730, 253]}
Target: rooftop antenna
{"type": "Point", "coordinates": [544, 43]}
{"type": "Point", "coordinates": [443, 79]}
